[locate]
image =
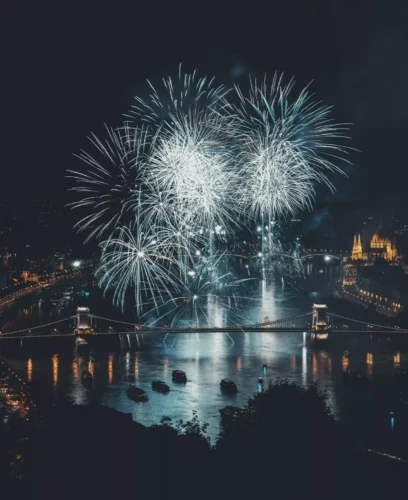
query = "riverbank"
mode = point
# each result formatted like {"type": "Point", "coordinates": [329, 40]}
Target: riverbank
{"type": "Point", "coordinates": [365, 303]}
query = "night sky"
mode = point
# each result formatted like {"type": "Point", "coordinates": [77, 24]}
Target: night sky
{"type": "Point", "coordinates": [66, 71]}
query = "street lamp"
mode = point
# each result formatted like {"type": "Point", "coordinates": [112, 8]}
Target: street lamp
{"type": "Point", "coordinates": [327, 258]}
{"type": "Point", "coordinates": [76, 263]}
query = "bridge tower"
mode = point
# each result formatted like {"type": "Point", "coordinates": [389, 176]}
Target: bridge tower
{"type": "Point", "coordinates": [319, 322]}
{"type": "Point", "coordinates": [83, 320]}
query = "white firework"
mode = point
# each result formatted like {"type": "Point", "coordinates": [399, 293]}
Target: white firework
{"type": "Point", "coordinates": [183, 102]}
{"type": "Point", "coordinates": [275, 180]}
{"type": "Point", "coordinates": [109, 187]}
{"type": "Point", "coordinates": [138, 261]}
{"type": "Point", "coordinates": [195, 176]}
{"type": "Point", "coordinates": [190, 166]}
{"type": "Point", "coordinates": [291, 144]}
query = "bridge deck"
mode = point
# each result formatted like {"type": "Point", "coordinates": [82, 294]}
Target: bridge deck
{"type": "Point", "coordinates": [185, 331]}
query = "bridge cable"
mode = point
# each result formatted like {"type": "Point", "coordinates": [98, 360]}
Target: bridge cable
{"type": "Point", "coordinates": [40, 326]}
{"type": "Point", "coordinates": [365, 323]}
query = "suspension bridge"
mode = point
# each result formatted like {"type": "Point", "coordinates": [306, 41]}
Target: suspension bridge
{"type": "Point", "coordinates": [318, 321]}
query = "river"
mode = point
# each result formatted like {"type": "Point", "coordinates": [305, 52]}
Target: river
{"type": "Point", "coordinates": [207, 358]}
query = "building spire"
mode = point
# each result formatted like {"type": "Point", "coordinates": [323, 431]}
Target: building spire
{"type": "Point", "coordinates": [357, 252]}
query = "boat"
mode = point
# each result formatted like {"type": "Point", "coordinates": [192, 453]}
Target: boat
{"type": "Point", "coordinates": [159, 386]}
{"type": "Point", "coordinates": [86, 378]}
{"type": "Point", "coordinates": [137, 394]}
{"type": "Point", "coordinates": [179, 376]}
{"type": "Point", "coordinates": [228, 386]}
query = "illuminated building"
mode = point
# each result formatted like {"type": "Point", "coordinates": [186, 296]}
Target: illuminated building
{"type": "Point", "coordinates": [357, 251]}
{"type": "Point", "coordinates": [30, 276]}
{"type": "Point", "coordinates": [370, 280]}
{"type": "Point", "coordinates": [380, 247]}
{"type": "Point", "coordinates": [388, 249]}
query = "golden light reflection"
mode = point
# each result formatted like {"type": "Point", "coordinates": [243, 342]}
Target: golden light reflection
{"type": "Point", "coordinates": [29, 369]}
{"type": "Point", "coordinates": [397, 359]}
{"type": "Point", "coordinates": [239, 363]}
{"type": "Point", "coordinates": [110, 368]}
{"type": "Point", "coordinates": [91, 367]}
{"type": "Point", "coordinates": [75, 369]}
{"type": "Point", "coordinates": [370, 361]}
{"type": "Point", "coordinates": [329, 365]}
{"type": "Point", "coordinates": [345, 363]}
{"type": "Point", "coordinates": [293, 363]}
{"type": "Point", "coordinates": [314, 361]}
{"type": "Point", "coordinates": [55, 362]}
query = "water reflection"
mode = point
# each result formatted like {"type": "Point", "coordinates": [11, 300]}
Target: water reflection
{"type": "Point", "coordinates": [29, 370]}
{"type": "Point", "coordinates": [314, 361]}
{"type": "Point", "coordinates": [91, 367]}
{"type": "Point", "coordinates": [370, 362]}
{"type": "Point", "coordinates": [110, 368]}
{"type": "Point", "coordinates": [75, 369]}
{"type": "Point", "coordinates": [55, 363]}
{"type": "Point", "coordinates": [304, 365]}
{"type": "Point", "coordinates": [397, 359]}
{"type": "Point", "coordinates": [344, 362]}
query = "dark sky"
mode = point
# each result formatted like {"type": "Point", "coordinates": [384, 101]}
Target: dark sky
{"type": "Point", "coordinates": [65, 71]}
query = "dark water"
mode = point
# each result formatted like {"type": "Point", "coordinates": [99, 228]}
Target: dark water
{"type": "Point", "coordinates": [207, 358]}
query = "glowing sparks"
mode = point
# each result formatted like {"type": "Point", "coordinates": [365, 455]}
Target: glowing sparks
{"type": "Point", "coordinates": [187, 170]}
{"type": "Point", "coordinates": [139, 262]}
{"type": "Point", "coordinates": [109, 188]}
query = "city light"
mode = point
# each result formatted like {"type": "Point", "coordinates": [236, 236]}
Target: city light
{"type": "Point", "coordinates": [327, 258]}
{"type": "Point", "coordinates": [76, 263]}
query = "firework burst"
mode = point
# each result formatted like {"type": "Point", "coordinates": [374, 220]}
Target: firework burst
{"type": "Point", "coordinates": [138, 261]}
{"type": "Point", "coordinates": [285, 146]}
{"type": "Point", "coordinates": [192, 169]}
{"type": "Point", "coordinates": [194, 176]}
{"type": "Point", "coordinates": [181, 103]}
{"type": "Point", "coordinates": [109, 188]}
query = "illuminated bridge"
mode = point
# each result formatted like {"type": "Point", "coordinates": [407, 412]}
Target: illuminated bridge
{"type": "Point", "coordinates": [319, 322]}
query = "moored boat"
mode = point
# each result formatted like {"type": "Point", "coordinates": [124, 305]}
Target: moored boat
{"type": "Point", "coordinates": [160, 386]}
{"type": "Point", "coordinates": [228, 386]}
{"type": "Point", "coordinates": [179, 376]}
{"type": "Point", "coordinates": [136, 394]}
